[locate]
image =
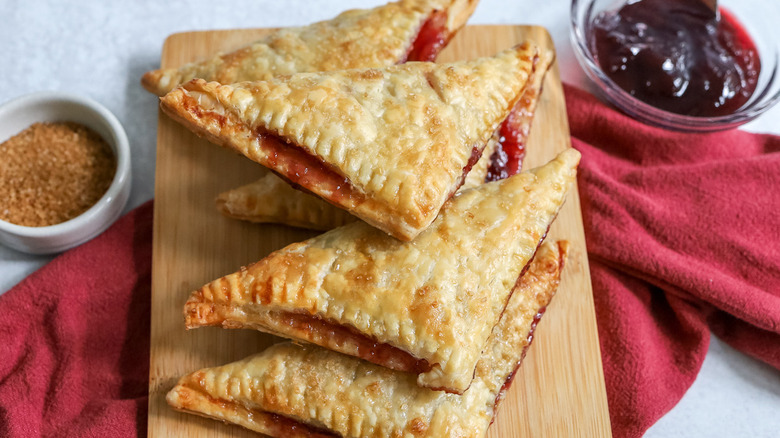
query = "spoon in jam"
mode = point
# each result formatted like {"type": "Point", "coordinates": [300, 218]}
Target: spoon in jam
{"type": "Point", "coordinates": [713, 5]}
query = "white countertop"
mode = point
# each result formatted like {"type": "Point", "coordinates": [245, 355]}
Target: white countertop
{"type": "Point", "coordinates": [101, 48]}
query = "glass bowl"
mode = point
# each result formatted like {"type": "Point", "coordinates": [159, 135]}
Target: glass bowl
{"type": "Point", "coordinates": [754, 15]}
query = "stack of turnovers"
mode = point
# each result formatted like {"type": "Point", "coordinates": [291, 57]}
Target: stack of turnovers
{"type": "Point", "coordinates": [424, 307]}
{"type": "Point", "coordinates": [355, 39]}
{"type": "Point", "coordinates": [271, 200]}
{"type": "Point", "coordinates": [389, 145]}
{"type": "Point", "coordinates": [413, 320]}
{"type": "Point", "coordinates": [292, 390]}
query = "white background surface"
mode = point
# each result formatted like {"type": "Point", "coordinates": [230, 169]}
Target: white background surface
{"type": "Point", "coordinates": [100, 49]}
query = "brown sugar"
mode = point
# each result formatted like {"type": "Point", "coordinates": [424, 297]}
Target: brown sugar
{"type": "Point", "coordinates": [53, 172]}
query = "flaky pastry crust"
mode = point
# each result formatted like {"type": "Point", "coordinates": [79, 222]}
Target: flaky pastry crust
{"type": "Point", "coordinates": [360, 38]}
{"type": "Point", "coordinates": [479, 172]}
{"type": "Point", "coordinates": [271, 200]}
{"type": "Point", "coordinates": [436, 298]}
{"type": "Point", "coordinates": [389, 145]}
{"type": "Point", "coordinates": [328, 391]}
{"type": "Point", "coordinates": [525, 108]}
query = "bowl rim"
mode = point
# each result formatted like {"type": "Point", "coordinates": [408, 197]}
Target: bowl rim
{"type": "Point", "coordinates": [646, 112]}
{"type": "Point", "coordinates": [120, 146]}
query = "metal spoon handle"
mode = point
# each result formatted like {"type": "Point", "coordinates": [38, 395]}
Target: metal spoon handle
{"type": "Point", "coordinates": [712, 4]}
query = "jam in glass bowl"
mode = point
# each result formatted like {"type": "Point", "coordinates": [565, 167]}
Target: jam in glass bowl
{"type": "Point", "coordinates": [673, 64]}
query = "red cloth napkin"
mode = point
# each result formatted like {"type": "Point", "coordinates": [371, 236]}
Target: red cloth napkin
{"type": "Point", "coordinates": [682, 233]}
{"type": "Point", "coordinates": [74, 339]}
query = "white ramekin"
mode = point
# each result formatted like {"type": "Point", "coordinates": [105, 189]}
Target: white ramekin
{"type": "Point", "coordinates": [46, 106]}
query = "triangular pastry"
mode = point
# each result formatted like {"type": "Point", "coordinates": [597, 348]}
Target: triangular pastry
{"type": "Point", "coordinates": [389, 145]}
{"type": "Point", "coordinates": [413, 30]}
{"type": "Point", "coordinates": [304, 389]}
{"type": "Point", "coordinates": [271, 200]}
{"type": "Point", "coordinates": [425, 306]}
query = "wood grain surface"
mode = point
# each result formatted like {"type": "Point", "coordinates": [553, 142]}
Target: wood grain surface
{"type": "Point", "coordinates": [559, 390]}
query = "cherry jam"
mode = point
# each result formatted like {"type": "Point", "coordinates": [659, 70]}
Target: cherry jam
{"type": "Point", "coordinates": [675, 55]}
{"type": "Point", "coordinates": [431, 39]}
{"type": "Point", "coordinates": [507, 160]}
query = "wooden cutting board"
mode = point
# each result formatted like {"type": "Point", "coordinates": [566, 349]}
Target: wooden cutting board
{"type": "Point", "coordinates": [559, 390]}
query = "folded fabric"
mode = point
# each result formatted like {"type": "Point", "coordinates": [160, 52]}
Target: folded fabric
{"type": "Point", "coordinates": [682, 233]}
{"type": "Point", "coordinates": [75, 339]}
